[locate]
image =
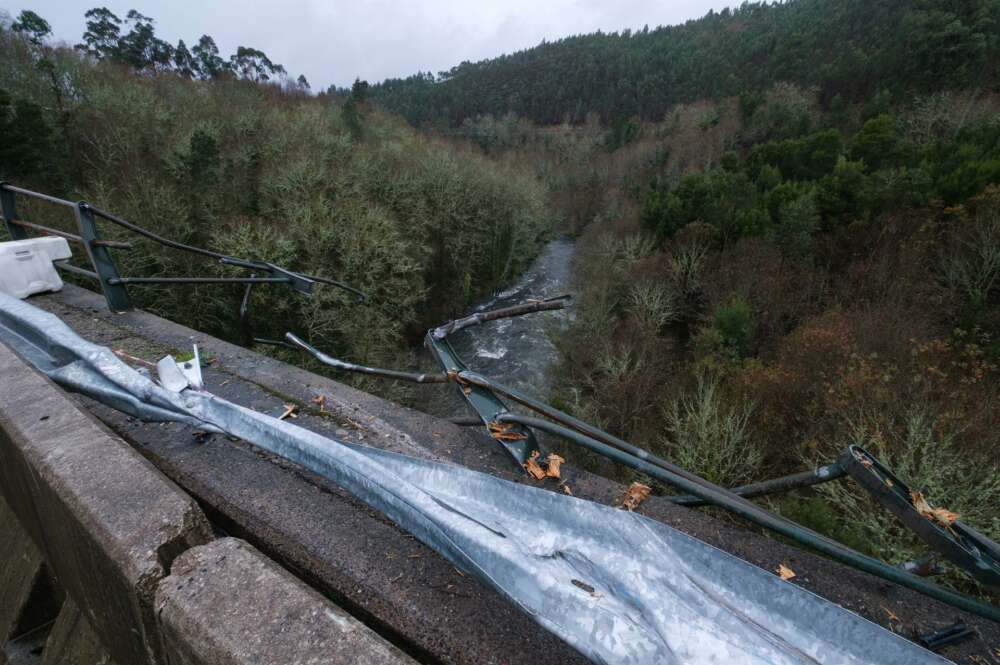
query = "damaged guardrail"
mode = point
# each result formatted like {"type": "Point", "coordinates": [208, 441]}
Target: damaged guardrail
{"type": "Point", "coordinates": [971, 551]}
{"type": "Point", "coordinates": [519, 441]}
{"type": "Point", "coordinates": [105, 271]}
{"type": "Point", "coordinates": [617, 586]}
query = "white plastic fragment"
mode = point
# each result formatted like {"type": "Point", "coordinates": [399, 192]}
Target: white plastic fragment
{"type": "Point", "coordinates": [26, 265]}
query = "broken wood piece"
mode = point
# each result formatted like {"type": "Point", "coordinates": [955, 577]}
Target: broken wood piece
{"type": "Point", "coordinates": [634, 496]}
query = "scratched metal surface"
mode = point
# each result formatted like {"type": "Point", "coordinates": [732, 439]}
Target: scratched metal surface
{"type": "Point", "coordinates": [617, 586]}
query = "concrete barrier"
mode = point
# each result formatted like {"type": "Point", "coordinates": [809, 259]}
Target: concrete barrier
{"type": "Point", "coordinates": [227, 604]}
{"type": "Point", "coordinates": [20, 566]}
{"type": "Point", "coordinates": [73, 642]}
{"type": "Point", "coordinates": [105, 520]}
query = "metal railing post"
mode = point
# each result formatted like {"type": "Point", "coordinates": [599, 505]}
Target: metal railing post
{"type": "Point", "coordinates": [100, 256]}
{"type": "Point", "coordinates": [8, 207]}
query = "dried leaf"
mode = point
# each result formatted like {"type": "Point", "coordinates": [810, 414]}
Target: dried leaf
{"type": "Point", "coordinates": [320, 401]}
{"type": "Point", "coordinates": [942, 516]}
{"type": "Point", "coordinates": [784, 572]}
{"type": "Point", "coordinates": [290, 410]}
{"type": "Point", "coordinates": [636, 494]}
{"type": "Point", "coordinates": [889, 613]}
{"type": "Point", "coordinates": [552, 468]}
{"type": "Point", "coordinates": [531, 466]}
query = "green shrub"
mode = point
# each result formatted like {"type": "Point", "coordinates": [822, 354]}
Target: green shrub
{"type": "Point", "coordinates": [709, 438]}
{"type": "Point", "coordinates": [732, 322]}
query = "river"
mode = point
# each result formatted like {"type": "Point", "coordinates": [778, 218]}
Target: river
{"type": "Point", "coordinates": [516, 352]}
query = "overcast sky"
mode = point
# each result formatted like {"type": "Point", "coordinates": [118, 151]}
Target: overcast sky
{"type": "Point", "coordinates": [333, 42]}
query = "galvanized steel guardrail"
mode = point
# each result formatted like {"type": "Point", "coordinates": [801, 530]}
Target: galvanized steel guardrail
{"type": "Point", "coordinates": [975, 554]}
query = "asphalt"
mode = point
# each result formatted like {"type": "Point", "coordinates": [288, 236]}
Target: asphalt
{"type": "Point", "coordinates": [377, 572]}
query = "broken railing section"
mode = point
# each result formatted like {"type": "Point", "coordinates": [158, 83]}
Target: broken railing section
{"type": "Point", "coordinates": [972, 551]}
{"type": "Point", "coordinates": [937, 527]}
{"type": "Point", "coordinates": [519, 441]}
{"type": "Point", "coordinates": [105, 271]}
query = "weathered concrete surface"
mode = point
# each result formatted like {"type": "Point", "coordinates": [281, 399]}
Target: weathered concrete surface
{"type": "Point", "coordinates": [106, 521]}
{"type": "Point", "coordinates": [73, 641]}
{"type": "Point", "coordinates": [227, 604]}
{"type": "Point", "coordinates": [369, 566]}
{"type": "Point", "coordinates": [20, 567]}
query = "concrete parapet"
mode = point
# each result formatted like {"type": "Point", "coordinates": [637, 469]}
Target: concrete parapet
{"type": "Point", "coordinates": [227, 604]}
{"type": "Point", "coordinates": [72, 641]}
{"type": "Point", "coordinates": [107, 523]}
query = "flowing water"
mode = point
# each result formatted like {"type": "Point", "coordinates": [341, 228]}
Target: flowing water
{"type": "Point", "coordinates": [517, 352]}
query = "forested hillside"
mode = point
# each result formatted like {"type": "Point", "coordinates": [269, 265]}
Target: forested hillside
{"type": "Point", "coordinates": [213, 155]}
{"type": "Point", "coordinates": [788, 219]}
{"type": "Point", "coordinates": [851, 49]}
{"type": "Point", "coordinates": [790, 239]}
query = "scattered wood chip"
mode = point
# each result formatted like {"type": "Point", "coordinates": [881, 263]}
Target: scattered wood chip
{"type": "Point", "coordinates": [531, 466]}
{"type": "Point", "coordinates": [942, 516]}
{"type": "Point", "coordinates": [505, 432]}
{"type": "Point", "coordinates": [553, 462]}
{"type": "Point", "coordinates": [889, 613]}
{"type": "Point", "coordinates": [320, 401]}
{"type": "Point", "coordinates": [567, 490]}
{"type": "Point", "coordinates": [784, 572]}
{"type": "Point", "coordinates": [634, 496]}
{"type": "Point", "coordinates": [290, 410]}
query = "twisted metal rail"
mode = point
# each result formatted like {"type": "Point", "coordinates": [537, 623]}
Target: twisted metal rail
{"type": "Point", "coordinates": [973, 552]}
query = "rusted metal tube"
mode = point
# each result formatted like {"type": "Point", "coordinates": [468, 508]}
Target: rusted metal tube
{"type": "Point", "coordinates": [197, 280]}
{"type": "Point", "coordinates": [62, 265]}
{"type": "Point", "coordinates": [478, 318]}
{"type": "Point", "coordinates": [37, 195]}
{"type": "Point", "coordinates": [114, 244]}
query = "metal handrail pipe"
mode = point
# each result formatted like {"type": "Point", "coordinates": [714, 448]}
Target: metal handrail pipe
{"type": "Point", "coordinates": [62, 265]}
{"type": "Point", "coordinates": [114, 244]}
{"type": "Point", "coordinates": [413, 377]}
{"type": "Point", "coordinates": [37, 195]}
{"type": "Point", "coordinates": [197, 280]}
{"type": "Point", "coordinates": [810, 478]}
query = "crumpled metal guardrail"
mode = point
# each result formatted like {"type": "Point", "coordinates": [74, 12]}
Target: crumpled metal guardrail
{"type": "Point", "coordinates": [619, 587]}
{"type": "Point", "coordinates": [973, 552]}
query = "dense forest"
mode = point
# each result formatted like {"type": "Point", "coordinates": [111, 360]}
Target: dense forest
{"type": "Point", "coordinates": [851, 49]}
{"type": "Point", "coordinates": [232, 162]}
{"type": "Point", "coordinates": [789, 221]}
